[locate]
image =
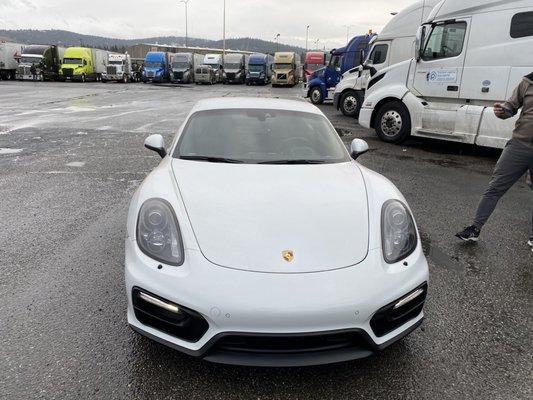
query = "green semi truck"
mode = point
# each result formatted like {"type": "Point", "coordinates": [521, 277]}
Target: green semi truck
{"type": "Point", "coordinates": [83, 64]}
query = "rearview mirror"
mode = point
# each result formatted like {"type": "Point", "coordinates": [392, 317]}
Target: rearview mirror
{"type": "Point", "coordinates": [358, 147]}
{"type": "Point", "coordinates": [156, 143]}
{"type": "Point", "coordinates": [419, 43]}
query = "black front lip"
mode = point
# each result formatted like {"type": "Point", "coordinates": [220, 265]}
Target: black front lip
{"type": "Point", "coordinates": [289, 360]}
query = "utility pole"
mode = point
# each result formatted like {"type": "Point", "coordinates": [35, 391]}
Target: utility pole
{"type": "Point", "coordinates": [186, 27]}
{"type": "Point", "coordinates": [306, 37]}
{"type": "Point", "coordinates": [348, 32]}
{"type": "Point", "coordinates": [316, 44]}
{"type": "Point", "coordinates": [224, 31]}
{"type": "Point", "coordinates": [276, 38]}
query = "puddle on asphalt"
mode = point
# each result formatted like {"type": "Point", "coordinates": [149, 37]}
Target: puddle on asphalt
{"type": "Point", "coordinates": [438, 256]}
{"type": "Point", "coordinates": [6, 150]}
{"type": "Point", "coordinates": [77, 164]}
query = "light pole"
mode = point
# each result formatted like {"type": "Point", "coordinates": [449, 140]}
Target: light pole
{"type": "Point", "coordinates": [276, 38]}
{"type": "Point", "coordinates": [348, 32]}
{"type": "Point", "coordinates": [306, 37]}
{"type": "Point", "coordinates": [224, 31]}
{"type": "Point", "coordinates": [316, 43]}
{"type": "Point", "coordinates": [186, 27]}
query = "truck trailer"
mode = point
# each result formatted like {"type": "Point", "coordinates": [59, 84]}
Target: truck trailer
{"type": "Point", "coordinates": [287, 69]}
{"type": "Point", "coordinates": [9, 55]}
{"type": "Point", "coordinates": [46, 60]}
{"type": "Point", "coordinates": [183, 66]}
{"type": "Point", "coordinates": [395, 43]}
{"type": "Point", "coordinates": [157, 66]}
{"type": "Point", "coordinates": [83, 64]}
{"type": "Point", "coordinates": [460, 70]}
{"type": "Point", "coordinates": [322, 82]}
{"type": "Point", "coordinates": [118, 68]}
{"type": "Point", "coordinates": [234, 68]}
{"type": "Point", "coordinates": [259, 69]}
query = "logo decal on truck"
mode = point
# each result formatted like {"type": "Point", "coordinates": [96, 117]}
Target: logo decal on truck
{"type": "Point", "coordinates": [442, 76]}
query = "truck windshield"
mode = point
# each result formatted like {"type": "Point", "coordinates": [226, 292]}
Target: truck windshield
{"type": "Point", "coordinates": [180, 64]}
{"type": "Point", "coordinates": [314, 67]}
{"type": "Point", "coordinates": [153, 64]}
{"type": "Point", "coordinates": [78, 61]}
{"type": "Point", "coordinates": [260, 136]}
{"type": "Point", "coordinates": [256, 67]}
{"type": "Point", "coordinates": [232, 66]}
{"type": "Point", "coordinates": [282, 66]}
{"type": "Point", "coordinates": [29, 60]}
{"type": "Point", "coordinates": [115, 62]}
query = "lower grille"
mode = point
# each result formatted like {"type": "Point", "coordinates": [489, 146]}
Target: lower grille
{"type": "Point", "coordinates": [230, 75]}
{"type": "Point", "coordinates": [185, 324]}
{"type": "Point", "coordinates": [68, 71]}
{"type": "Point", "coordinates": [178, 75]}
{"type": "Point", "coordinates": [388, 318]}
{"type": "Point", "coordinates": [150, 74]}
{"type": "Point", "coordinates": [282, 76]}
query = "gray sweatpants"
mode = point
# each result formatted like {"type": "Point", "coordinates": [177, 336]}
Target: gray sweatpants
{"type": "Point", "coordinates": [515, 160]}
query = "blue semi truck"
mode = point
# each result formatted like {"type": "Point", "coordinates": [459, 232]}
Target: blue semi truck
{"type": "Point", "coordinates": [322, 82]}
{"type": "Point", "coordinates": [259, 69]}
{"type": "Point", "coordinates": [157, 67]}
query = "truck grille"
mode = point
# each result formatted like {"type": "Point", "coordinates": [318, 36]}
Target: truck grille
{"type": "Point", "coordinates": [150, 74]}
{"type": "Point", "coordinates": [282, 76]}
{"type": "Point", "coordinates": [178, 75]}
{"type": "Point", "coordinates": [230, 75]}
{"type": "Point", "coordinates": [68, 71]}
{"type": "Point", "coordinates": [111, 69]}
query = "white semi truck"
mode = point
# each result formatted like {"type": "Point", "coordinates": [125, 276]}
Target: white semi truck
{"type": "Point", "coordinates": [234, 68]}
{"type": "Point", "coordinates": [395, 43]}
{"type": "Point", "coordinates": [216, 61]}
{"type": "Point", "coordinates": [118, 68]}
{"type": "Point", "coordinates": [9, 55]}
{"type": "Point", "coordinates": [469, 55]}
{"type": "Point", "coordinates": [183, 66]}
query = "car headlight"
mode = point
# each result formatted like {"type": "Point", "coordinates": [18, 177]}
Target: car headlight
{"type": "Point", "coordinates": [398, 232]}
{"type": "Point", "coordinates": [158, 233]}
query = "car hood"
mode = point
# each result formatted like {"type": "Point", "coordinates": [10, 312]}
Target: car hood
{"type": "Point", "coordinates": [245, 216]}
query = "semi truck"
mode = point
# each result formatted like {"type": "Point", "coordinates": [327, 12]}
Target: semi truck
{"type": "Point", "coordinates": [216, 61]}
{"type": "Point", "coordinates": [83, 64]}
{"type": "Point", "coordinates": [234, 68]}
{"type": "Point", "coordinates": [46, 60]}
{"type": "Point", "coordinates": [183, 66]}
{"type": "Point", "coordinates": [322, 82]}
{"type": "Point", "coordinates": [118, 69]}
{"type": "Point", "coordinates": [9, 55]}
{"type": "Point", "coordinates": [460, 70]}
{"type": "Point", "coordinates": [259, 69]}
{"type": "Point", "coordinates": [287, 69]}
{"type": "Point", "coordinates": [314, 60]}
{"type": "Point", "coordinates": [395, 43]}
{"type": "Point", "coordinates": [157, 66]}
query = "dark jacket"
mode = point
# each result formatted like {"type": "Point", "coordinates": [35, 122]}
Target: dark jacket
{"type": "Point", "coordinates": [523, 98]}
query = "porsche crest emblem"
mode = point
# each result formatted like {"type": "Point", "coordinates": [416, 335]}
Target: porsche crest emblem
{"type": "Point", "coordinates": [287, 255]}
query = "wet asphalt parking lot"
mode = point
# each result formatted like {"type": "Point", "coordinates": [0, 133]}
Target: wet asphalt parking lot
{"type": "Point", "coordinates": [71, 155]}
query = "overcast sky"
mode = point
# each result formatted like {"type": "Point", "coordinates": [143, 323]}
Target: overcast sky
{"type": "Point", "coordinates": [130, 19]}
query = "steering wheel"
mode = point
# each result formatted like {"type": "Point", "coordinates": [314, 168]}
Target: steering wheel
{"type": "Point", "coordinates": [297, 147]}
{"type": "Point", "coordinates": [446, 49]}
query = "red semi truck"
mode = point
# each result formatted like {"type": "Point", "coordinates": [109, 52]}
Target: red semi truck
{"type": "Point", "coordinates": [313, 60]}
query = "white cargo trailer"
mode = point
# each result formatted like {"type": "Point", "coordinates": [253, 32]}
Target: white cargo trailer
{"type": "Point", "coordinates": [9, 54]}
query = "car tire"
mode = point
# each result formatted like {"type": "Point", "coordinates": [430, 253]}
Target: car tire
{"type": "Point", "coordinates": [393, 122]}
{"type": "Point", "coordinates": [350, 103]}
{"type": "Point", "coordinates": [315, 94]}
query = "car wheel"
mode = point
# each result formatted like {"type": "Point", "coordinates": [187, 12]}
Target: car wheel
{"type": "Point", "coordinates": [350, 103]}
{"type": "Point", "coordinates": [393, 122]}
{"type": "Point", "coordinates": [316, 95]}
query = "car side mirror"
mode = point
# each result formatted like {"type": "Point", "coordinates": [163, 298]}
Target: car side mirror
{"type": "Point", "coordinates": [358, 147]}
{"type": "Point", "coordinates": [156, 143]}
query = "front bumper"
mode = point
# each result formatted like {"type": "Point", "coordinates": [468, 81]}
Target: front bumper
{"type": "Point", "coordinates": [330, 305]}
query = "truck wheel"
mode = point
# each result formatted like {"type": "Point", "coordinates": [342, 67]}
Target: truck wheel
{"type": "Point", "coordinates": [393, 122]}
{"type": "Point", "coordinates": [316, 95]}
{"type": "Point", "coordinates": [350, 103]}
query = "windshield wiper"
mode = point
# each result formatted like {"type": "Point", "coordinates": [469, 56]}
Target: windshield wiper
{"type": "Point", "coordinates": [212, 159]}
{"type": "Point", "coordinates": [302, 161]}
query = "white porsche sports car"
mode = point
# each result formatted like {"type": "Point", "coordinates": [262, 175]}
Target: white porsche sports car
{"type": "Point", "coordinates": [259, 240]}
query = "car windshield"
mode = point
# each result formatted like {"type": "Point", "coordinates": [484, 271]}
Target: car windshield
{"type": "Point", "coordinates": [78, 61]}
{"type": "Point", "coordinates": [282, 66]}
{"type": "Point", "coordinates": [259, 136]}
{"type": "Point", "coordinates": [153, 64]}
{"type": "Point", "coordinates": [256, 68]}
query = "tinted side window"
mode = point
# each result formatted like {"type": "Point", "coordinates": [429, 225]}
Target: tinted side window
{"type": "Point", "coordinates": [379, 54]}
{"type": "Point", "coordinates": [445, 40]}
{"type": "Point", "coordinates": [522, 25]}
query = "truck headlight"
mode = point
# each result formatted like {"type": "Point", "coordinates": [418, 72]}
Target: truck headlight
{"type": "Point", "coordinates": [158, 233]}
{"type": "Point", "coordinates": [398, 232]}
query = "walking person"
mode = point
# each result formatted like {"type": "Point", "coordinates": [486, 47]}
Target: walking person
{"type": "Point", "coordinates": [515, 160]}
{"type": "Point", "coordinates": [33, 72]}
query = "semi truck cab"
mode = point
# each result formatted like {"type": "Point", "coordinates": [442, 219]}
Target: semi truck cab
{"type": "Point", "coordinates": [314, 60]}
{"type": "Point", "coordinates": [118, 68]}
{"type": "Point", "coordinates": [77, 64]}
{"type": "Point", "coordinates": [322, 82]}
{"type": "Point", "coordinates": [259, 69]}
{"type": "Point", "coordinates": [234, 68]}
{"type": "Point", "coordinates": [156, 68]}
{"type": "Point", "coordinates": [286, 69]}
{"type": "Point", "coordinates": [216, 62]}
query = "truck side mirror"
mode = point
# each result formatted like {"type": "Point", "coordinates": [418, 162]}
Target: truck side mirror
{"type": "Point", "coordinates": [157, 144]}
{"type": "Point", "coordinates": [419, 43]}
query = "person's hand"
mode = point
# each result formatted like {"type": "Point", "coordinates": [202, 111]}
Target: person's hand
{"type": "Point", "coordinates": [499, 111]}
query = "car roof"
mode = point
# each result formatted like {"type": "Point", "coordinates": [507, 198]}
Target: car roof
{"type": "Point", "coordinates": [255, 102]}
